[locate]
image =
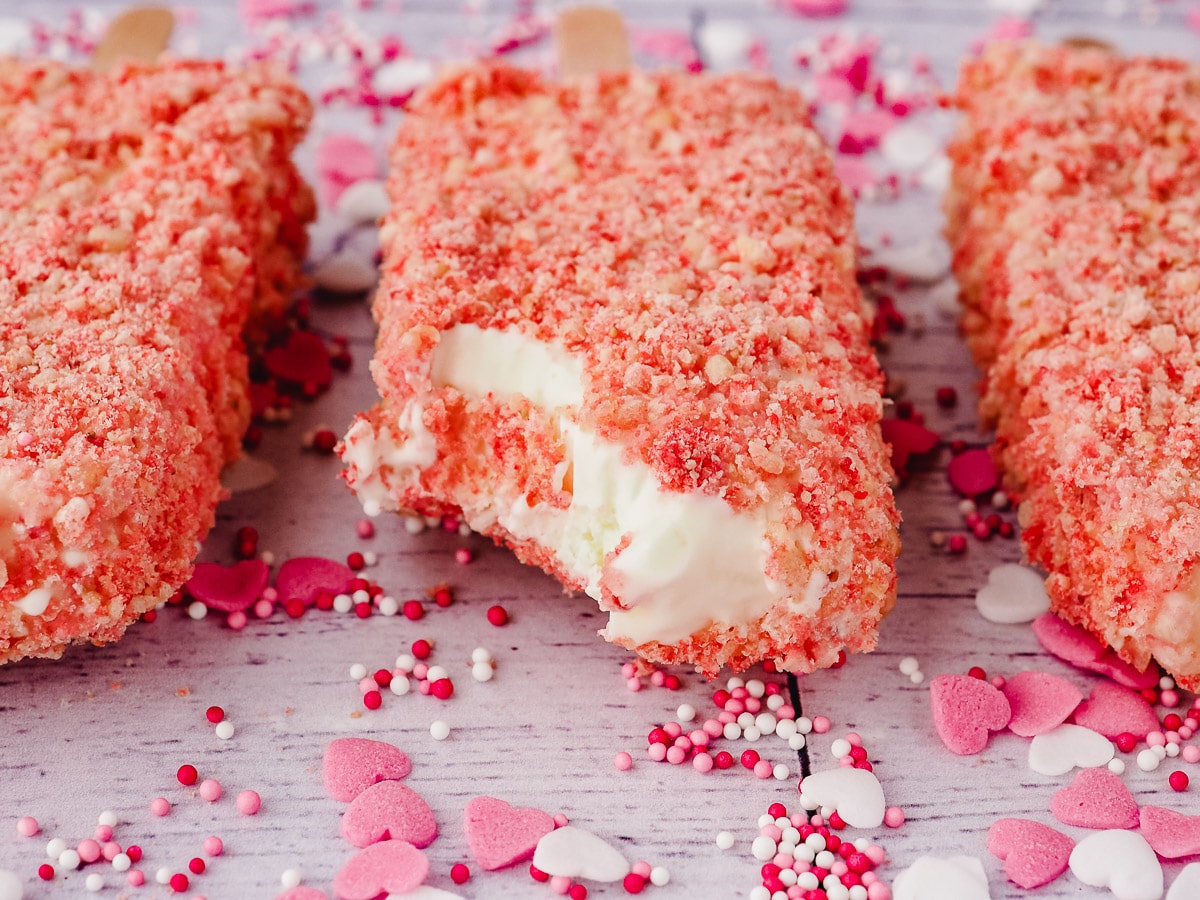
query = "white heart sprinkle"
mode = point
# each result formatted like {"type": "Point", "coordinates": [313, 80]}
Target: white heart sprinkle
{"type": "Point", "coordinates": [364, 202]}
{"type": "Point", "coordinates": [425, 892]}
{"type": "Point", "coordinates": [1066, 747]}
{"type": "Point", "coordinates": [10, 886]}
{"type": "Point", "coordinates": [247, 473]}
{"type": "Point", "coordinates": [577, 853]}
{"type": "Point", "coordinates": [14, 35]}
{"type": "Point", "coordinates": [723, 43]}
{"type": "Point", "coordinates": [1186, 885]}
{"type": "Point", "coordinates": [1020, 8]}
{"type": "Point", "coordinates": [909, 146]}
{"type": "Point", "coordinates": [401, 75]}
{"type": "Point", "coordinates": [1013, 594]}
{"type": "Point", "coordinates": [935, 175]}
{"type": "Point", "coordinates": [924, 261]}
{"type": "Point", "coordinates": [855, 793]}
{"type": "Point", "coordinates": [1121, 861]}
{"type": "Point", "coordinates": [937, 878]}
{"type": "Point", "coordinates": [346, 273]}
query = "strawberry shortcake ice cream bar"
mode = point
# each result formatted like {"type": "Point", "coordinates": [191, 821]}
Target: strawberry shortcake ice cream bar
{"type": "Point", "coordinates": [144, 214]}
{"type": "Point", "coordinates": [1073, 217]}
{"type": "Point", "coordinates": [619, 332]}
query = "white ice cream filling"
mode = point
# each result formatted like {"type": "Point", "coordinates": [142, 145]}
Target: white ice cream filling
{"type": "Point", "coordinates": [688, 561]}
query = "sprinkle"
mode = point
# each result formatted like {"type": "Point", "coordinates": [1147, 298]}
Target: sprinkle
{"type": "Point", "coordinates": [179, 882]}
{"type": "Point", "coordinates": [69, 859]}
{"type": "Point", "coordinates": [290, 878]}
{"type": "Point", "coordinates": [213, 846]}
{"type": "Point", "coordinates": [224, 730]}
{"type": "Point", "coordinates": [160, 806]}
{"type": "Point", "coordinates": [210, 790]}
{"type": "Point", "coordinates": [1178, 780]}
{"type": "Point", "coordinates": [214, 714]}
{"type": "Point", "coordinates": [196, 865]}
{"type": "Point", "coordinates": [623, 761]}
{"type": "Point", "coordinates": [497, 615]}
{"type": "Point", "coordinates": [88, 850]}
{"type": "Point", "coordinates": [724, 840]}
{"type": "Point", "coordinates": [249, 802]}
{"type": "Point", "coordinates": [1147, 760]}
{"type": "Point", "coordinates": [439, 730]}
{"type": "Point", "coordinates": [459, 873]}
{"type": "Point", "coordinates": [94, 882]}
{"type": "Point", "coordinates": [121, 862]}
{"type": "Point", "coordinates": [46, 872]}
{"type": "Point", "coordinates": [27, 826]}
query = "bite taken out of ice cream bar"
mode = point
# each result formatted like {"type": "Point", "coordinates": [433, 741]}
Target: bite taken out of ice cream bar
{"type": "Point", "coordinates": [619, 333]}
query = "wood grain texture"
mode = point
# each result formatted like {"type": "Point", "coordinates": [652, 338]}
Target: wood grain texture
{"type": "Point", "coordinates": [106, 728]}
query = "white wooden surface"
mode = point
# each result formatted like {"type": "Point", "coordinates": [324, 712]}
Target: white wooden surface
{"type": "Point", "coordinates": [105, 729]}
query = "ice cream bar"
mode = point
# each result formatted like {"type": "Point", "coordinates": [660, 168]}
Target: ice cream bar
{"type": "Point", "coordinates": [619, 333]}
{"type": "Point", "coordinates": [145, 212]}
{"type": "Point", "coordinates": [1073, 217]}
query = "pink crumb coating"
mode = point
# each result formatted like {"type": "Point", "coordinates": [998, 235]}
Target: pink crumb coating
{"type": "Point", "coordinates": [1072, 215]}
{"type": "Point", "coordinates": [143, 215]}
{"type": "Point", "coordinates": [684, 237]}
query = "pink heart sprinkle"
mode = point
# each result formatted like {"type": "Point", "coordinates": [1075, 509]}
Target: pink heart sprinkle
{"type": "Point", "coordinates": [352, 765]}
{"type": "Point", "coordinates": [817, 8]}
{"type": "Point", "coordinates": [501, 835]}
{"type": "Point", "coordinates": [1034, 854]}
{"type": "Point", "coordinates": [1171, 834]}
{"type": "Point", "coordinates": [1066, 641]}
{"type": "Point", "coordinates": [257, 11]}
{"type": "Point", "coordinates": [1096, 799]}
{"type": "Point", "coordinates": [868, 126]}
{"type": "Point", "coordinates": [972, 472]}
{"type": "Point", "coordinates": [389, 810]}
{"type": "Point", "coordinates": [1121, 672]}
{"type": "Point", "coordinates": [303, 360]}
{"type": "Point", "coordinates": [389, 867]}
{"type": "Point", "coordinates": [303, 577]}
{"type": "Point", "coordinates": [229, 589]}
{"type": "Point", "coordinates": [855, 173]}
{"type": "Point", "coordinates": [965, 709]}
{"type": "Point", "coordinates": [1111, 709]}
{"type": "Point", "coordinates": [302, 892]}
{"type": "Point", "coordinates": [343, 159]}
{"type": "Point", "coordinates": [1039, 701]}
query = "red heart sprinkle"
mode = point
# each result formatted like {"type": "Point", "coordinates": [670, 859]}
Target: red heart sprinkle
{"type": "Point", "coordinates": [229, 588]}
{"type": "Point", "coordinates": [304, 360]}
{"type": "Point", "coordinates": [972, 473]}
{"type": "Point", "coordinates": [303, 577]}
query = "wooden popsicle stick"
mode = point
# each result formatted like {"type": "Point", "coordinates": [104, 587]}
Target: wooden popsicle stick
{"type": "Point", "coordinates": [591, 39]}
{"type": "Point", "coordinates": [1087, 42]}
{"type": "Point", "coordinates": [141, 34]}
